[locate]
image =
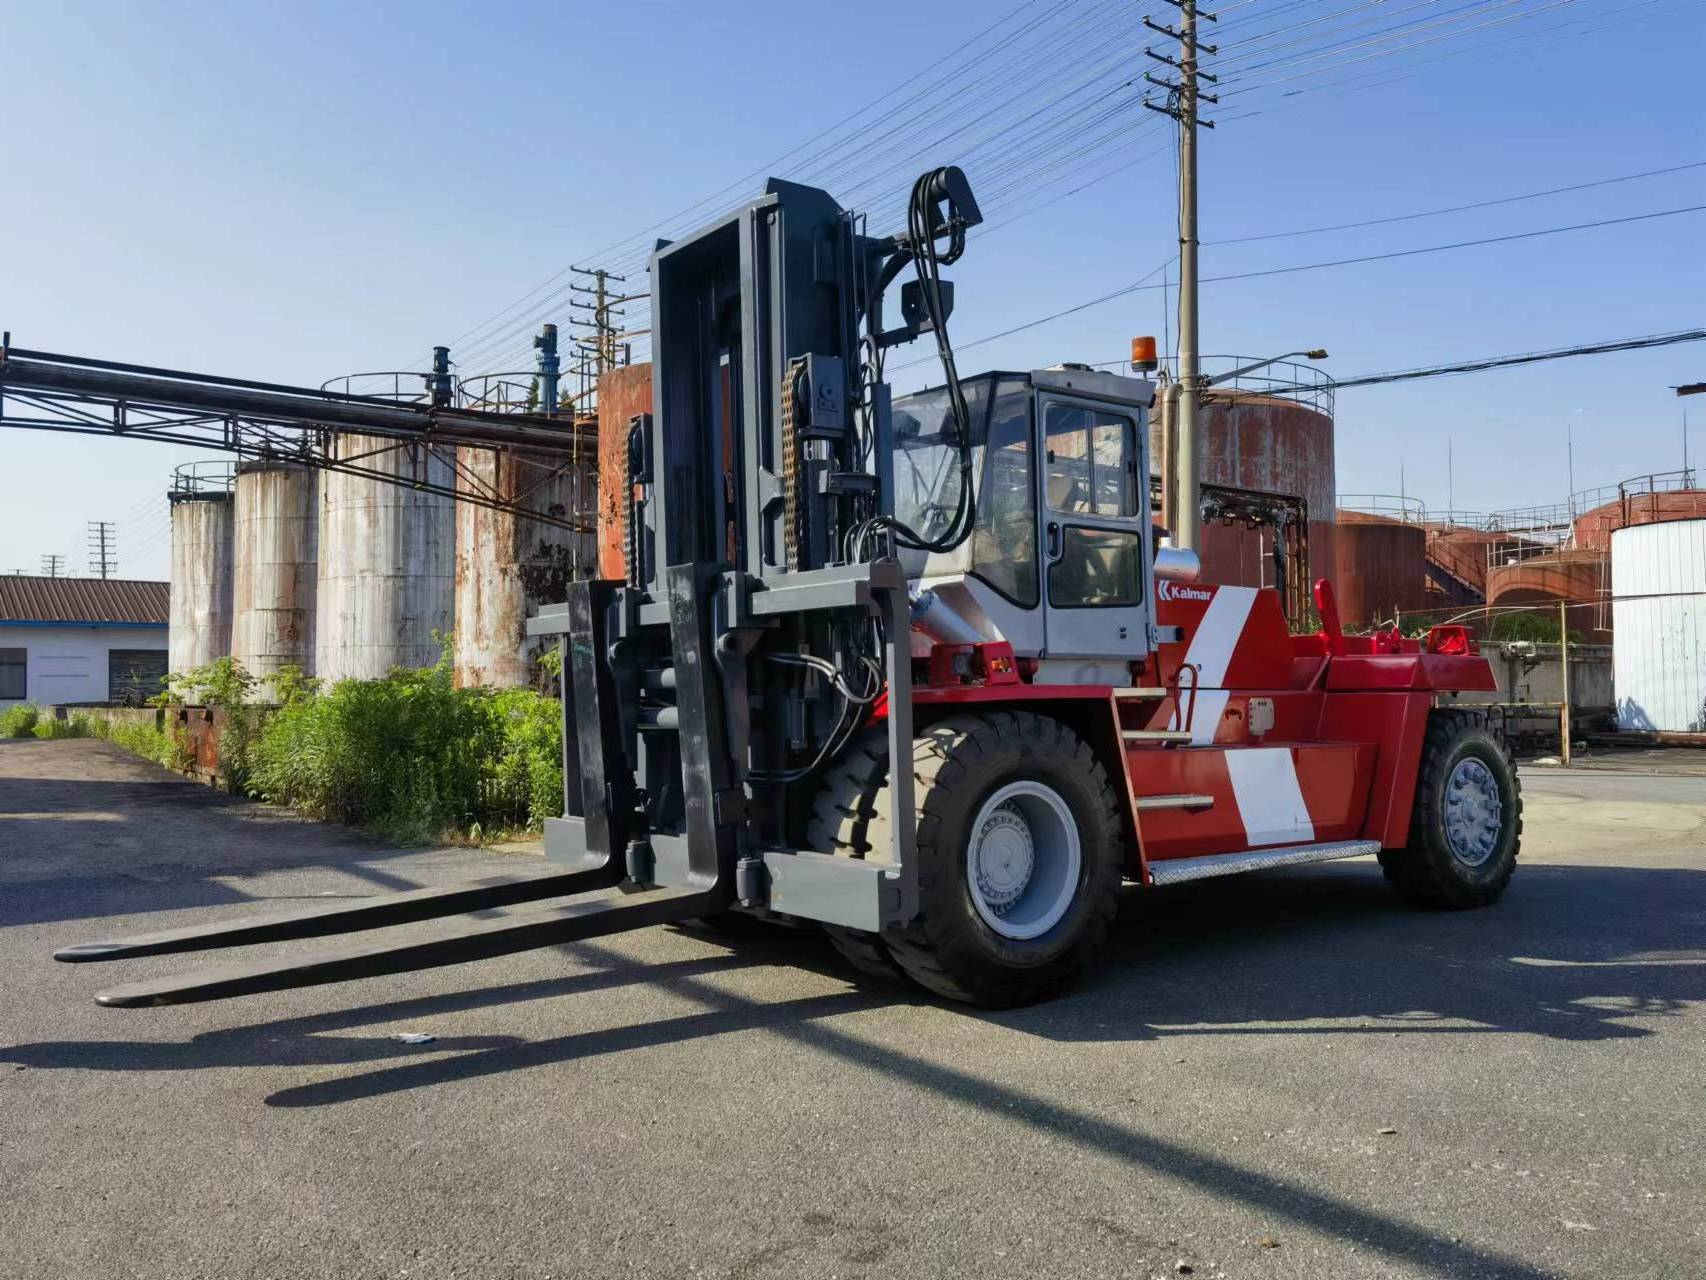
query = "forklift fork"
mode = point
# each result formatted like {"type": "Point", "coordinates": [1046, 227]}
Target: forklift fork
{"type": "Point", "coordinates": [599, 798]}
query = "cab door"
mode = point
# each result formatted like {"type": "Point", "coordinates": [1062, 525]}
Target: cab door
{"type": "Point", "coordinates": [1094, 498]}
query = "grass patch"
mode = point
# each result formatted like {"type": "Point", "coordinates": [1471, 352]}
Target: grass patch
{"type": "Point", "coordinates": [164, 747]}
{"type": "Point", "coordinates": [77, 725]}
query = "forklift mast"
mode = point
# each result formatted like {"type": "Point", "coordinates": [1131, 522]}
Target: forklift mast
{"type": "Point", "coordinates": [764, 609]}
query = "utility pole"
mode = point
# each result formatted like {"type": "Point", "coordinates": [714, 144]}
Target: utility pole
{"type": "Point", "coordinates": [53, 566]}
{"type": "Point", "coordinates": [600, 347]}
{"type": "Point", "coordinates": [1687, 389]}
{"type": "Point", "coordinates": [1183, 97]}
{"type": "Point", "coordinates": [1570, 465]}
{"type": "Point", "coordinates": [103, 548]}
{"type": "Point", "coordinates": [1564, 732]}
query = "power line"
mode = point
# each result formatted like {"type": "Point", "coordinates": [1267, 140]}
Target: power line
{"type": "Point", "coordinates": [1464, 208]}
{"type": "Point", "coordinates": [1027, 87]}
{"type": "Point", "coordinates": [1528, 357]}
{"type": "Point", "coordinates": [1141, 285]}
{"type": "Point", "coordinates": [759, 173]}
{"type": "Point", "coordinates": [958, 107]}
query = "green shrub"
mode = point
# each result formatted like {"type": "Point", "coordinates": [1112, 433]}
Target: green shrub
{"type": "Point", "coordinates": [292, 686]}
{"type": "Point", "coordinates": [19, 721]}
{"type": "Point", "coordinates": [227, 685]}
{"type": "Point", "coordinates": [412, 757]}
{"type": "Point", "coordinates": [1539, 628]}
{"type": "Point", "coordinates": [223, 682]}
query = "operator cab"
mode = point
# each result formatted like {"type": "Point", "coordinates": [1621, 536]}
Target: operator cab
{"type": "Point", "coordinates": [1058, 563]}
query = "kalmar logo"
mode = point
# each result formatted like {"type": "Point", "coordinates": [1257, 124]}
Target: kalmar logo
{"type": "Point", "coordinates": [1170, 590]}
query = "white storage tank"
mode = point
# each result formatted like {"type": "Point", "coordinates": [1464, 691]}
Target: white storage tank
{"type": "Point", "coordinates": [201, 590]}
{"type": "Point", "coordinates": [387, 563]}
{"type": "Point", "coordinates": [276, 534]}
{"type": "Point", "coordinates": [1658, 574]}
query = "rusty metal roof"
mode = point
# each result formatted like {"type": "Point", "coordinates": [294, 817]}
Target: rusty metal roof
{"type": "Point", "coordinates": [82, 600]}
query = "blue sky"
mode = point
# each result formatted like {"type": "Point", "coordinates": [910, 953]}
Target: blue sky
{"type": "Point", "coordinates": [297, 192]}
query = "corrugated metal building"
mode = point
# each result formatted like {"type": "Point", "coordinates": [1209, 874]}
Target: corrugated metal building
{"type": "Point", "coordinates": [65, 640]}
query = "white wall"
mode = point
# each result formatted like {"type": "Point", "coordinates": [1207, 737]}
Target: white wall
{"type": "Point", "coordinates": [69, 664]}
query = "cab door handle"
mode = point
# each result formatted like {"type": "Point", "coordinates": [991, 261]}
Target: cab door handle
{"type": "Point", "coordinates": [1053, 542]}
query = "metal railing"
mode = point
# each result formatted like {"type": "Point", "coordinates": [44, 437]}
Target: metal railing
{"type": "Point", "coordinates": [1283, 379]}
{"type": "Point", "coordinates": [1387, 506]}
{"type": "Point", "coordinates": [406, 386]}
{"type": "Point", "coordinates": [516, 392]}
{"type": "Point", "coordinates": [1537, 529]}
{"type": "Point", "coordinates": [203, 479]}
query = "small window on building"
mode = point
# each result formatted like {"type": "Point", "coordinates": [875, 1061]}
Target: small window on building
{"type": "Point", "coordinates": [14, 673]}
{"type": "Point", "coordinates": [135, 675]}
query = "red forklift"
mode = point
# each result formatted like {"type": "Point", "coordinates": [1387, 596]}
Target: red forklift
{"type": "Point", "coordinates": [822, 578]}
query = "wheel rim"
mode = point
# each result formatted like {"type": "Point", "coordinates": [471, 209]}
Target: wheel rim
{"type": "Point", "coordinates": [1474, 812]}
{"type": "Point", "coordinates": [1023, 860]}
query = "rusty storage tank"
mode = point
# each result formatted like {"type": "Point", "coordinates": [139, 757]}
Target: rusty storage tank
{"type": "Point", "coordinates": [1268, 442]}
{"type": "Point", "coordinates": [1379, 568]}
{"type": "Point", "coordinates": [1581, 578]}
{"type": "Point", "coordinates": [200, 613]}
{"type": "Point", "coordinates": [387, 569]}
{"type": "Point", "coordinates": [1593, 528]}
{"type": "Point", "coordinates": [276, 539]}
{"type": "Point", "coordinates": [508, 565]}
{"type": "Point", "coordinates": [623, 394]}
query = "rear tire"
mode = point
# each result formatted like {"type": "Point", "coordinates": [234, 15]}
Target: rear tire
{"type": "Point", "coordinates": [1020, 856]}
{"type": "Point", "coordinates": [1466, 827]}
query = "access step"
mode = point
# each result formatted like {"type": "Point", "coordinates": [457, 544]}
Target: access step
{"type": "Point", "coordinates": [1179, 870]}
{"type": "Point", "coordinates": [1163, 736]}
{"type": "Point", "coordinates": [1138, 692]}
{"type": "Point", "coordinates": [1145, 803]}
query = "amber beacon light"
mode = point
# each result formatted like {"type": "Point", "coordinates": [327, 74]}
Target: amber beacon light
{"type": "Point", "coordinates": [1143, 355]}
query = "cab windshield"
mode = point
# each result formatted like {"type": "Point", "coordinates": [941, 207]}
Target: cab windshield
{"type": "Point", "coordinates": [1003, 545]}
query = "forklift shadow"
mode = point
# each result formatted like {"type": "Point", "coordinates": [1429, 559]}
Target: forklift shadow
{"type": "Point", "coordinates": [307, 1040]}
{"type": "Point", "coordinates": [1570, 953]}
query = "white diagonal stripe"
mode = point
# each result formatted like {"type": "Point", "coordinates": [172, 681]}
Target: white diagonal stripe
{"type": "Point", "coordinates": [1216, 636]}
{"type": "Point", "coordinates": [1206, 714]}
{"type": "Point", "coordinates": [1270, 802]}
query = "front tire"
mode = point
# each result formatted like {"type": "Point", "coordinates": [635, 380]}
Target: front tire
{"type": "Point", "coordinates": [1466, 827]}
{"type": "Point", "coordinates": [1020, 857]}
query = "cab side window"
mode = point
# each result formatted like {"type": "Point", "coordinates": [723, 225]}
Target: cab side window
{"type": "Point", "coordinates": [1004, 541]}
{"type": "Point", "coordinates": [1091, 468]}
{"type": "Point", "coordinates": [1091, 456]}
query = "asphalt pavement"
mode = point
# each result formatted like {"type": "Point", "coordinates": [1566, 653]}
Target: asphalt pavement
{"type": "Point", "coordinates": [1282, 1075]}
